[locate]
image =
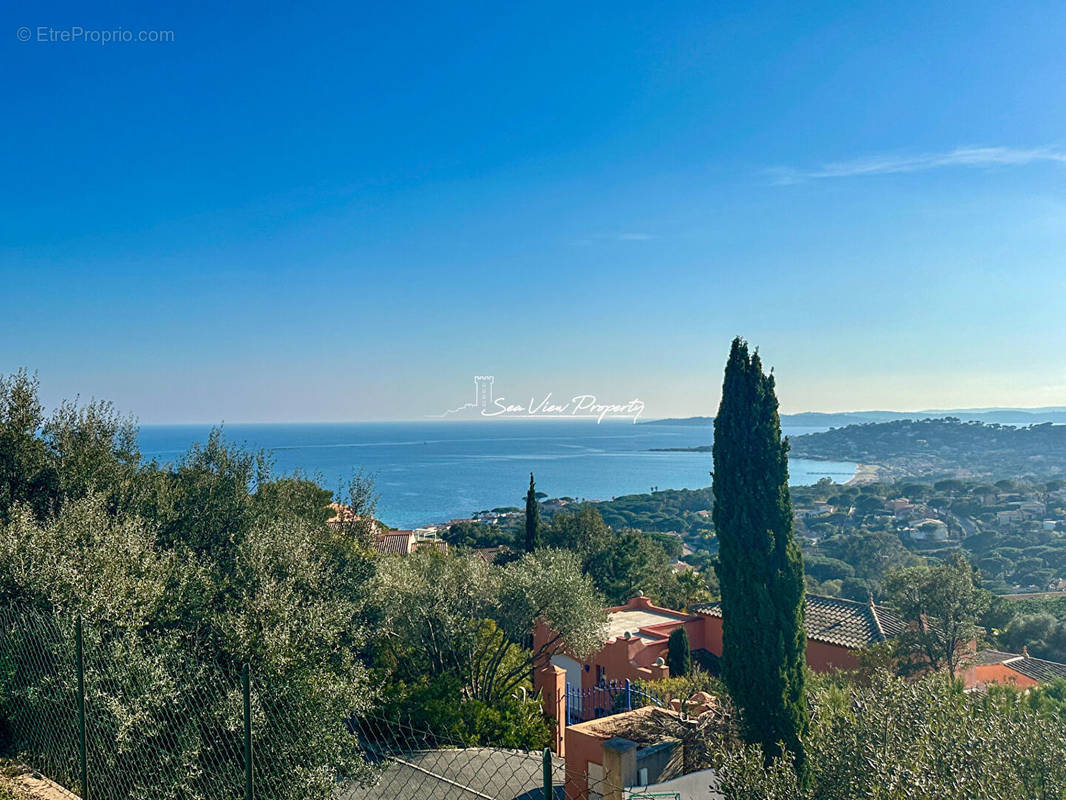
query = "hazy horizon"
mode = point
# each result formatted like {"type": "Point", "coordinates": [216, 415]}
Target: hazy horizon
{"type": "Point", "coordinates": [344, 213]}
{"type": "Point", "coordinates": [643, 418]}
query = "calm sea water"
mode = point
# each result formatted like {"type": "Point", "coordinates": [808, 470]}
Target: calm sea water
{"type": "Point", "coordinates": [435, 471]}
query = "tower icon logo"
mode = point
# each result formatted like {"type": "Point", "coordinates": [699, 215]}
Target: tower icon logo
{"type": "Point", "coordinates": [483, 391]}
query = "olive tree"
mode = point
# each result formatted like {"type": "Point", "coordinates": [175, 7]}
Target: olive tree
{"type": "Point", "coordinates": [455, 613]}
{"type": "Point", "coordinates": [166, 631]}
{"type": "Point", "coordinates": [896, 739]}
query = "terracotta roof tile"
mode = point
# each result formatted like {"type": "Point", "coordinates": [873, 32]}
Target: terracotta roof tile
{"type": "Point", "coordinates": [845, 623]}
{"type": "Point", "coordinates": [986, 657]}
{"type": "Point", "coordinates": [394, 542]}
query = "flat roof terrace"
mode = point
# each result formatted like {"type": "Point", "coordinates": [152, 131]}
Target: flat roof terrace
{"type": "Point", "coordinates": [633, 619]}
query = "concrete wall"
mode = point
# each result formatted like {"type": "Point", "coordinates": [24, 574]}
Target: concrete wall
{"type": "Point", "coordinates": [694, 786]}
{"type": "Point", "coordinates": [657, 759]}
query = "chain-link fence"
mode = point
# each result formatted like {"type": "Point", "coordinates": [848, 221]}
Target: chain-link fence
{"type": "Point", "coordinates": [126, 721]}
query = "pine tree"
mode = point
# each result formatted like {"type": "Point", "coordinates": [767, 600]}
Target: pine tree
{"type": "Point", "coordinates": [760, 569]}
{"type": "Point", "coordinates": [532, 518]}
{"type": "Point", "coordinates": [678, 653]}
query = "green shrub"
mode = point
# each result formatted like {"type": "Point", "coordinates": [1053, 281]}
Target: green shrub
{"type": "Point", "coordinates": [913, 740]}
{"type": "Point", "coordinates": [438, 705]}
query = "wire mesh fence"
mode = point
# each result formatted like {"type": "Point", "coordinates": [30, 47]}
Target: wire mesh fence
{"type": "Point", "coordinates": [113, 719]}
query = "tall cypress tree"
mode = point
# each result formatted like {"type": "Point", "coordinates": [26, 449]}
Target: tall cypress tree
{"type": "Point", "coordinates": [532, 517]}
{"type": "Point", "coordinates": [760, 569]}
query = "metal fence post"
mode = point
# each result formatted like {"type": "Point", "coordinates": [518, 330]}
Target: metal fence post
{"type": "Point", "coordinates": [547, 773]}
{"type": "Point", "coordinates": [246, 687]}
{"type": "Point", "coordinates": [629, 696]}
{"type": "Point", "coordinates": [79, 658]}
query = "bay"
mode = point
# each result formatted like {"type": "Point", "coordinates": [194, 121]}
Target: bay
{"type": "Point", "coordinates": [430, 472]}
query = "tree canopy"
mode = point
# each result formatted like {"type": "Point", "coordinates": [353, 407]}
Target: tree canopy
{"type": "Point", "coordinates": [941, 604]}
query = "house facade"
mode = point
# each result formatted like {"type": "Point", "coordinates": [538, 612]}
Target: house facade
{"type": "Point", "coordinates": [579, 691]}
{"type": "Point", "coordinates": [638, 634]}
{"type": "Point", "coordinates": [1019, 670]}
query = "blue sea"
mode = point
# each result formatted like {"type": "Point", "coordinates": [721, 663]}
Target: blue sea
{"type": "Point", "coordinates": [434, 471]}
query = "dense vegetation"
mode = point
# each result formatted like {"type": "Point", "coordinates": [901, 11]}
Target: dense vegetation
{"type": "Point", "coordinates": [620, 560]}
{"type": "Point", "coordinates": [941, 447]}
{"type": "Point", "coordinates": [1038, 624]}
{"type": "Point", "coordinates": [624, 562]}
{"type": "Point", "coordinates": [185, 572]}
{"type": "Point", "coordinates": [909, 740]}
{"type": "Point", "coordinates": [456, 644]}
{"type": "Point", "coordinates": [680, 516]}
{"type": "Point", "coordinates": [666, 510]}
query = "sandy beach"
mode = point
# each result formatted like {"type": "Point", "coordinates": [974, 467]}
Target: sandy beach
{"type": "Point", "coordinates": [864, 473]}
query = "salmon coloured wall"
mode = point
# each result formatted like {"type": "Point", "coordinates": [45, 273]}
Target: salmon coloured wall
{"type": "Point", "coordinates": [821, 656]}
{"type": "Point", "coordinates": [1000, 673]}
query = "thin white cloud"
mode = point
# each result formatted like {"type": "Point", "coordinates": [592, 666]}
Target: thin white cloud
{"type": "Point", "coordinates": [893, 164]}
{"type": "Point", "coordinates": [616, 237]}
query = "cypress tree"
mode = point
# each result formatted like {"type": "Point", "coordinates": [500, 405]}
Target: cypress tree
{"type": "Point", "coordinates": [678, 653]}
{"type": "Point", "coordinates": [760, 568]}
{"type": "Point", "coordinates": [532, 517]}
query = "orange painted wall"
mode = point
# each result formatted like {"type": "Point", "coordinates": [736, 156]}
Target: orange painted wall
{"type": "Point", "coordinates": [581, 749]}
{"type": "Point", "coordinates": [999, 673]}
{"type": "Point", "coordinates": [821, 657]}
{"type": "Point", "coordinates": [633, 659]}
{"type": "Point", "coordinates": [712, 635]}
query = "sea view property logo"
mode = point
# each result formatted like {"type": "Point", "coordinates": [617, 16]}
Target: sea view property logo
{"type": "Point", "coordinates": [487, 405]}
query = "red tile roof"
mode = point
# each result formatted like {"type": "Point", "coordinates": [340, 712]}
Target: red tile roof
{"type": "Point", "coordinates": [394, 542]}
{"type": "Point", "coordinates": [845, 623]}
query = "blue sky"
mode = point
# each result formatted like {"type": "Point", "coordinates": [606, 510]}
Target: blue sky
{"type": "Point", "coordinates": [343, 212]}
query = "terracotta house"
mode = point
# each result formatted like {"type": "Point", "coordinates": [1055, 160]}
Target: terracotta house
{"type": "Point", "coordinates": [638, 635]}
{"type": "Point", "coordinates": [837, 630]}
{"type": "Point", "coordinates": [1022, 671]}
{"type": "Point", "coordinates": [624, 756]}
{"type": "Point", "coordinates": [637, 642]}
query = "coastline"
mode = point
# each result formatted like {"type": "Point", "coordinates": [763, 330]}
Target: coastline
{"type": "Point", "coordinates": [864, 473]}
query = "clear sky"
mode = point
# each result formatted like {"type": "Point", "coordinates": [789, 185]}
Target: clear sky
{"type": "Point", "coordinates": [344, 211]}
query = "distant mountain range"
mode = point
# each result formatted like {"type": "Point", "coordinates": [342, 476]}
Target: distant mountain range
{"type": "Point", "coordinates": [1002, 416]}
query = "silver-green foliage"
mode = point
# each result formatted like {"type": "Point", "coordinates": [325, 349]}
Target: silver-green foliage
{"type": "Point", "coordinates": [166, 629]}
{"type": "Point", "coordinates": [911, 740]}
{"type": "Point", "coordinates": [457, 614]}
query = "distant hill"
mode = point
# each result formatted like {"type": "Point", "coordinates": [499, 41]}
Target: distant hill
{"type": "Point", "coordinates": [943, 446]}
{"type": "Point", "coordinates": [1002, 416]}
